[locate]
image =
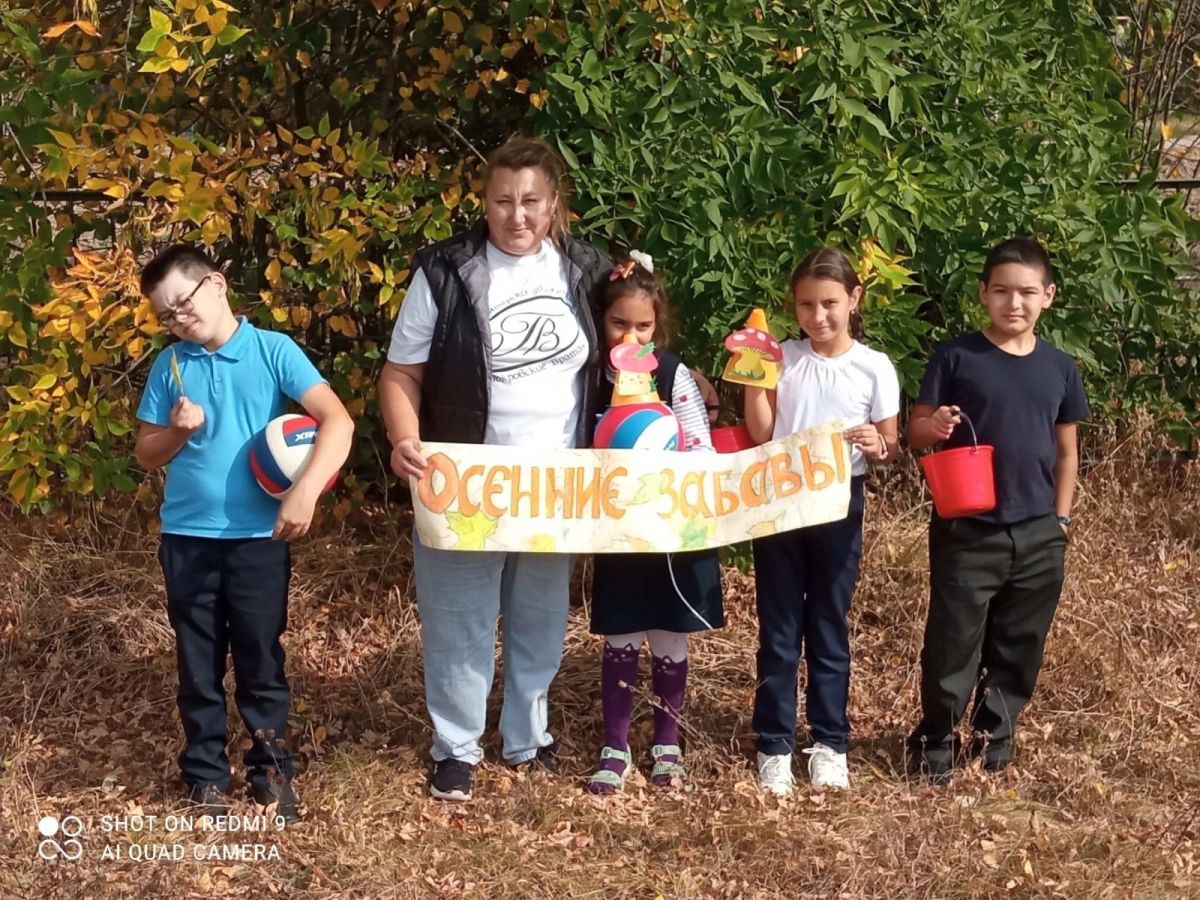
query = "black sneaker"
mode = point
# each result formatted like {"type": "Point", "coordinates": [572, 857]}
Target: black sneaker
{"type": "Point", "coordinates": [995, 754]}
{"type": "Point", "coordinates": [280, 793]}
{"type": "Point", "coordinates": [545, 760]}
{"type": "Point", "coordinates": [935, 768]}
{"type": "Point", "coordinates": [451, 779]}
{"type": "Point", "coordinates": [207, 800]}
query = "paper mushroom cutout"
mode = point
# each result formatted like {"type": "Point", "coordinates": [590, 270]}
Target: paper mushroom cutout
{"type": "Point", "coordinates": [634, 364]}
{"type": "Point", "coordinates": [756, 355]}
{"type": "Point", "coordinates": [637, 418]}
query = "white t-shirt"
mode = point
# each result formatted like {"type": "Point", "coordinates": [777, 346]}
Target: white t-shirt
{"type": "Point", "coordinates": [858, 386]}
{"type": "Point", "coordinates": [538, 348]}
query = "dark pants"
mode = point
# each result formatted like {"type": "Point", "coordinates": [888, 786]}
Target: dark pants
{"type": "Point", "coordinates": [229, 595]}
{"type": "Point", "coordinates": [993, 590]}
{"type": "Point", "coordinates": [804, 580]}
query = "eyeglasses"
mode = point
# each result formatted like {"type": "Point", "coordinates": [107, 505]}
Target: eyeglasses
{"type": "Point", "coordinates": [169, 317]}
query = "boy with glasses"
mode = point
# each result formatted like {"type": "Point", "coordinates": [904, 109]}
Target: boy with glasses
{"type": "Point", "coordinates": [224, 551]}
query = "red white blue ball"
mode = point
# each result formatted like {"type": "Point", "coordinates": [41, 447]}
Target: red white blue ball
{"type": "Point", "coordinates": [280, 453]}
{"type": "Point", "coordinates": [638, 426]}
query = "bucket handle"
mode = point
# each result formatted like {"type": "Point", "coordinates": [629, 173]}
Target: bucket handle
{"type": "Point", "coordinates": [974, 438]}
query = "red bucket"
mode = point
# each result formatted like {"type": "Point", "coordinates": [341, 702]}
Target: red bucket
{"type": "Point", "coordinates": [961, 480]}
{"type": "Point", "coordinates": [731, 439]}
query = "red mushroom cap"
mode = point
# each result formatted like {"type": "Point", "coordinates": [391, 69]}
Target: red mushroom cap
{"type": "Point", "coordinates": [753, 339]}
{"type": "Point", "coordinates": [630, 356]}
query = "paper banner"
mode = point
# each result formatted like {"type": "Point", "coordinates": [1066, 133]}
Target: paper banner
{"type": "Point", "coordinates": [490, 497]}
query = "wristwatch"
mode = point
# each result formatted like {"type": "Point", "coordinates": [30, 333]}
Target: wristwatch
{"type": "Point", "coordinates": [1064, 521]}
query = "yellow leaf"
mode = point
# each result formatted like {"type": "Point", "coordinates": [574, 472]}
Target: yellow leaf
{"type": "Point", "coordinates": [279, 314]}
{"type": "Point", "coordinates": [60, 29]}
{"type": "Point", "coordinates": [175, 373]}
{"type": "Point", "coordinates": [18, 337]}
{"type": "Point", "coordinates": [303, 57]}
{"type": "Point", "coordinates": [62, 138]}
{"type": "Point", "coordinates": [1168, 131]}
{"type": "Point", "coordinates": [179, 65]}
{"type": "Point", "coordinates": [472, 531]}
{"type": "Point", "coordinates": [319, 735]}
{"type": "Point", "coordinates": [452, 22]}
{"type": "Point", "coordinates": [274, 273]}
{"type": "Point", "coordinates": [46, 382]}
{"type": "Point", "coordinates": [543, 543]}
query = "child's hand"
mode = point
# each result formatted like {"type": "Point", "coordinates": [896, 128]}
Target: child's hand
{"type": "Point", "coordinates": [187, 417]}
{"type": "Point", "coordinates": [407, 459]}
{"type": "Point", "coordinates": [943, 420]}
{"type": "Point", "coordinates": [868, 439]}
{"type": "Point", "coordinates": [295, 513]}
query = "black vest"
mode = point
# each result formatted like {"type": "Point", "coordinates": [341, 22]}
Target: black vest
{"type": "Point", "coordinates": [457, 380]}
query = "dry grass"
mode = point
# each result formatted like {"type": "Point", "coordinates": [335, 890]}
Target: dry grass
{"type": "Point", "coordinates": [1104, 800]}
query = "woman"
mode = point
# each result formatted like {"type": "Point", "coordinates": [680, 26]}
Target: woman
{"type": "Point", "coordinates": [495, 344]}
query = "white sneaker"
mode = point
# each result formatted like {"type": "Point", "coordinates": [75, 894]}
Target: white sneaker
{"type": "Point", "coordinates": [775, 773]}
{"type": "Point", "coordinates": [827, 768]}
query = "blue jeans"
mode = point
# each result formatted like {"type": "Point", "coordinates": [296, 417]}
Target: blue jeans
{"type": "Point", "coordinates": [460, 596]}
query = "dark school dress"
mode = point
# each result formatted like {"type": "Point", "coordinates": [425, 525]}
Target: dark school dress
{"type": "Point", "coordinates": [633, 591]}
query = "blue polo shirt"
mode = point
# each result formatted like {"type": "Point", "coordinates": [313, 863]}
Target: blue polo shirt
{"type": "Point", "coordinates": [210, 490]}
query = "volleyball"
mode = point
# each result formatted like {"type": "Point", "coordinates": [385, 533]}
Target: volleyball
{"type": "Point", "coordinates": [638, 426]}
{"type": "Point", "coordinates": [280, 452]}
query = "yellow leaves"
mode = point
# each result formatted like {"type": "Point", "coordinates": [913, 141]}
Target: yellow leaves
{"type": "Point", "coordinates": [56, 31]}
{"type": "Point", "coordinates": [538, 99]}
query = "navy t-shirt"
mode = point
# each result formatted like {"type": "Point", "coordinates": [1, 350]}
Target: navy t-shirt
{"type": "Point", "coordinates": [1014, 403]}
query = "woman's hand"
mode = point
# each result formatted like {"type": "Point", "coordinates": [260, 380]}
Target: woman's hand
{"type": "Point", "coordinates": [407, 460]}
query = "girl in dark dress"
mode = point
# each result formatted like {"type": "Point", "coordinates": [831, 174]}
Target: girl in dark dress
{"type": "Point", "coordinates": [649, 597]}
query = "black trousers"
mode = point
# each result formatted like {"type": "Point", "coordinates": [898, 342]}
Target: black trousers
{"type": "Point", "coordinates": [225, 596]}
{"type": "Point", "coordinates": [804, 581]}
{"type": "Point", "coordinates": [993, 591]}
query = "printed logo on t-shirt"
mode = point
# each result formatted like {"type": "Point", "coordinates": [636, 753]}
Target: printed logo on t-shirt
{"type": "Point", "coordinates": [531, 333]}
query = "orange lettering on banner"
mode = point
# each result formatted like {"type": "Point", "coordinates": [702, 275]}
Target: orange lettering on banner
{"type": "Point", "coordinates": [818, 475]}
{"type": "Point", "coordinates": [555, 497]}
{"type": "Point", "coordinates": [439, 502]}
{"type": "Point", "coordinates": [839, 456]}
{"type": "Point", "coordinates": [750, 496]}
{"type": "Point", "coordinates": [587, 492]}
{"type": "Point", "coordinates": [668, 488]}
{"type": "Point", "coordinates": [693, 481]}
{"type": "Point", "coordinates": [608, 493]}
{"type": "Point", "coordinates": [532, 495]}
{"type": "Point", "coordinates": [726, 500]}
{"type": "Point", "coordinates": [491, 488]}
{"type": "Point", "coordinates": [465, 505]}
{"type": "Point", "coordinates": [787, 482]}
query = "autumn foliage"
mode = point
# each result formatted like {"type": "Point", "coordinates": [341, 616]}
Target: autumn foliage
{"type": "Point", "coordinates": [314, 146]}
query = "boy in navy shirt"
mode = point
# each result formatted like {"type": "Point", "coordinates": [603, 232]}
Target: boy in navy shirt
{"type": "Point", "coordinates": [224, 551]}
{"type": "Point", "coordinates": [995, 578]}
